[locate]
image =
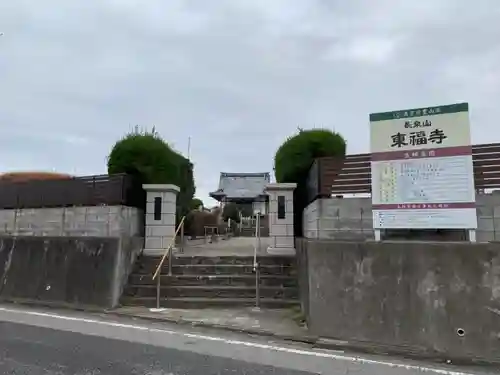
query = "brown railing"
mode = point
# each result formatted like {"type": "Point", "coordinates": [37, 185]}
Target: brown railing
{"type": "Point", "coordinates": [352, 174]}
{"type": "Point", "coordinates": [119, 189]}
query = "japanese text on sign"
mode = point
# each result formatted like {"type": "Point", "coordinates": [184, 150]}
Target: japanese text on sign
{"type": "Point", "coordinates": [418, 112]}
{"type": "Point", "coordinates": [418, 138]}
{"type": "Point", "coordinates": [417, 124]}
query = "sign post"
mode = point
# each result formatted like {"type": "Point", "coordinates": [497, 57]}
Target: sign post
{"type": "Point", "coordinates": [421, 169]}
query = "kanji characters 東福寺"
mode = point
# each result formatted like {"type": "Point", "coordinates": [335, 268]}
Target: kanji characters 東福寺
{"type": "Point", "coordinates": [418, 138]}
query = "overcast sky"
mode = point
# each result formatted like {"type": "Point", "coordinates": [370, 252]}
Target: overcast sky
{"type": "Point", "coordinates": [238, 76]}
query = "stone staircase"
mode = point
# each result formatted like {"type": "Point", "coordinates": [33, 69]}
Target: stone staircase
{"type": "Point", "coordinates": [224, 281]}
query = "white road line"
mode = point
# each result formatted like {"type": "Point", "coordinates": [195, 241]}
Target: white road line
{"type": "Point", "coordinates": [238, 342]}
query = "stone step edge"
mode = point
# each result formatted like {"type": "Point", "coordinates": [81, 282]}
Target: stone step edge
{"type": "Point", "coordinates": [215, 276]}
{"type": "Point", "coordinates": [226, 265]}
{"type": "Point", "coordinates": [205, 299]}
{"type": "Point", "coordinates": [210, 287]}
{"type": "Point", "coordinates": [187, 256]}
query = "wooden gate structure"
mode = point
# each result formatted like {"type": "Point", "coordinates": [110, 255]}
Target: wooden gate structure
{"type": "Point", "coordinates": [330, 176]}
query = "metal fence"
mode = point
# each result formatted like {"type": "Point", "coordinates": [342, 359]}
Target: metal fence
{"type": "Point", "coordinates": [99, 190]}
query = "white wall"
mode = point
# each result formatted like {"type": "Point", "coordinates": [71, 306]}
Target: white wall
{"type": "Point", "coordinates": [260, 207]}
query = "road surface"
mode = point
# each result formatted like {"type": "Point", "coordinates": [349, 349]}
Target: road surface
{"type": "Point", "coordinates": [50, 342]}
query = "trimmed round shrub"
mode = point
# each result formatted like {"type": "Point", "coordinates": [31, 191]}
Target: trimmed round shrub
{"type": "Point", "coordinates": [196, 203]}
{"type": "Point", "coordinates": [151, 160]}
{"type": "Point", "coordinates": [295, 157]}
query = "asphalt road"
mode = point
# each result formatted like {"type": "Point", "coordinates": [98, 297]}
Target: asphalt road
{"type": "Point", "coordinates": [36, 342]}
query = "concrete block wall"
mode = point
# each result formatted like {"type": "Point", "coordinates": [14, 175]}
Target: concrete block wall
{"type": "Point", "coordinates": [488, 217]}
{"type": "Point", "coordinates": [351, 218]}
{"type": "Point", "coordinates": [339, 218]}
{"type": "Point", "coordinates": [97, 221]}
{"type": "Point", "coordinates": [311, 218]}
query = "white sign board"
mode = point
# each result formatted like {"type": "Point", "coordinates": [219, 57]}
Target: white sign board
{"type": "Point", "coordinates": [422, 174]}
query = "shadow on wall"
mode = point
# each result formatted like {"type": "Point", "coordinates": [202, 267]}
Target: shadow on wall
{"type": "Point", "coordinates": [412, 297]}
{"type": "Point", "coordinates": [78, 271]}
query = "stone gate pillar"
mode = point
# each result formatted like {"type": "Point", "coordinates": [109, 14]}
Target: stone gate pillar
{"type": "Point", "coordinates": [161, 202]}
{"type": "Point", "coordinates": [281, 218]}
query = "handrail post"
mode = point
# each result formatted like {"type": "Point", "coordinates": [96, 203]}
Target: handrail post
{"type": "Point", "coordinates": [182, 238]}
{"type": "Point", "coordinates": [256, 267]}
{"type": "Point", "coordinates": [170, 261]}
{"type": "Point", "coordinates": [257, 285]}
{"type": "Point", "coordinates": [158, 289]}
{"type": "Point", "coordinates": [258, 240]}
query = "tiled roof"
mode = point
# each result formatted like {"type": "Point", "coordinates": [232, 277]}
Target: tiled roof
{"type": "Point", "coordinates": [242, 185]}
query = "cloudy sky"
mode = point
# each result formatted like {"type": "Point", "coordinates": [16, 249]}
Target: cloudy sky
{"type": "Point", "coordinates": [237, 76]}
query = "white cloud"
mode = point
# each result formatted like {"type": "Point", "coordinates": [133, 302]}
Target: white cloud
{"type": "Point", "coordinates": [364, 50]}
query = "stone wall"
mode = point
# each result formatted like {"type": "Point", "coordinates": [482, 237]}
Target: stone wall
{"type": "Point", "coordinates": [69, 271]}
{"type": "Point", "coordinates": [436, 298]}
{"type": "Point", "coordinates": [351, 219]}
{"type": "Point", "coordinates": [99, 221]}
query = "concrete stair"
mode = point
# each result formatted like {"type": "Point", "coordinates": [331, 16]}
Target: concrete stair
{"type": "Point", "coordinates": [226, 281]}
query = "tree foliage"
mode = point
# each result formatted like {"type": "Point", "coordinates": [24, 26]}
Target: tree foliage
{"type": "Point", "coordinates": [294, 158]}
{"type": "Point", "coordinates": [196, 203]}
{"type": "Point", "coordinates": [231, 211]}
{"type": "Point", "coordinates": [147, 156]}
{"type": "Point", "coordinates": [246, 209]}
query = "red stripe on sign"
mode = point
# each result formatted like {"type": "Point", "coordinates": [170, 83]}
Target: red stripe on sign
{"type": "Point", "coordinates": [419, 153]}
{"type": "Point", "coordinates": [423, 206]}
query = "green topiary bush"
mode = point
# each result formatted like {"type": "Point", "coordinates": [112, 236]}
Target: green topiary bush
{"type": "Point", "coordinates": [147, 156]}
{"type": "Point", "coordinates": [296, 155]}
{"type": "Point", "coordinates": [196, 203]}
{"type": "Point", "coordinates": [294, 158]}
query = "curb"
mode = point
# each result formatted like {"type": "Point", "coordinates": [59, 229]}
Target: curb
{"type": "Point", "coordinates": [258, 332]}
{"type": "Point", "coordinates": [329, 344]}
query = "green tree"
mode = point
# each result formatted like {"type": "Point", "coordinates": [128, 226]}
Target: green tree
{"type": "Point", "coordinates": [246, 209]}
{"type": "Point", "coordinates": [196, 203]}
{"type": "Point", "coordinates": [231, 211]}
{"type": "Point", "coordinates": [147, 156]}
{"type": "Point", "coordinates": [294, 158]}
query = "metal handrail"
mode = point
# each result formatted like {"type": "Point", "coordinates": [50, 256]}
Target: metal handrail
{"type": "Point", "coordinates": [257, 230]}
{"type": "Point", "coordinates": [256, 267]}
{"type": "Point", "coordinates": [169, 249]}
{"type": "Point", "coordinates": [168, 252]}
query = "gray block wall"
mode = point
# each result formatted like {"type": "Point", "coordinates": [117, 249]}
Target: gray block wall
{"type": "Point", "coordinates": [339, 218]}
{"type": "Point", "coordinates": [351, 218]}
{"type": "Point", "coordinates": [98, 221]}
